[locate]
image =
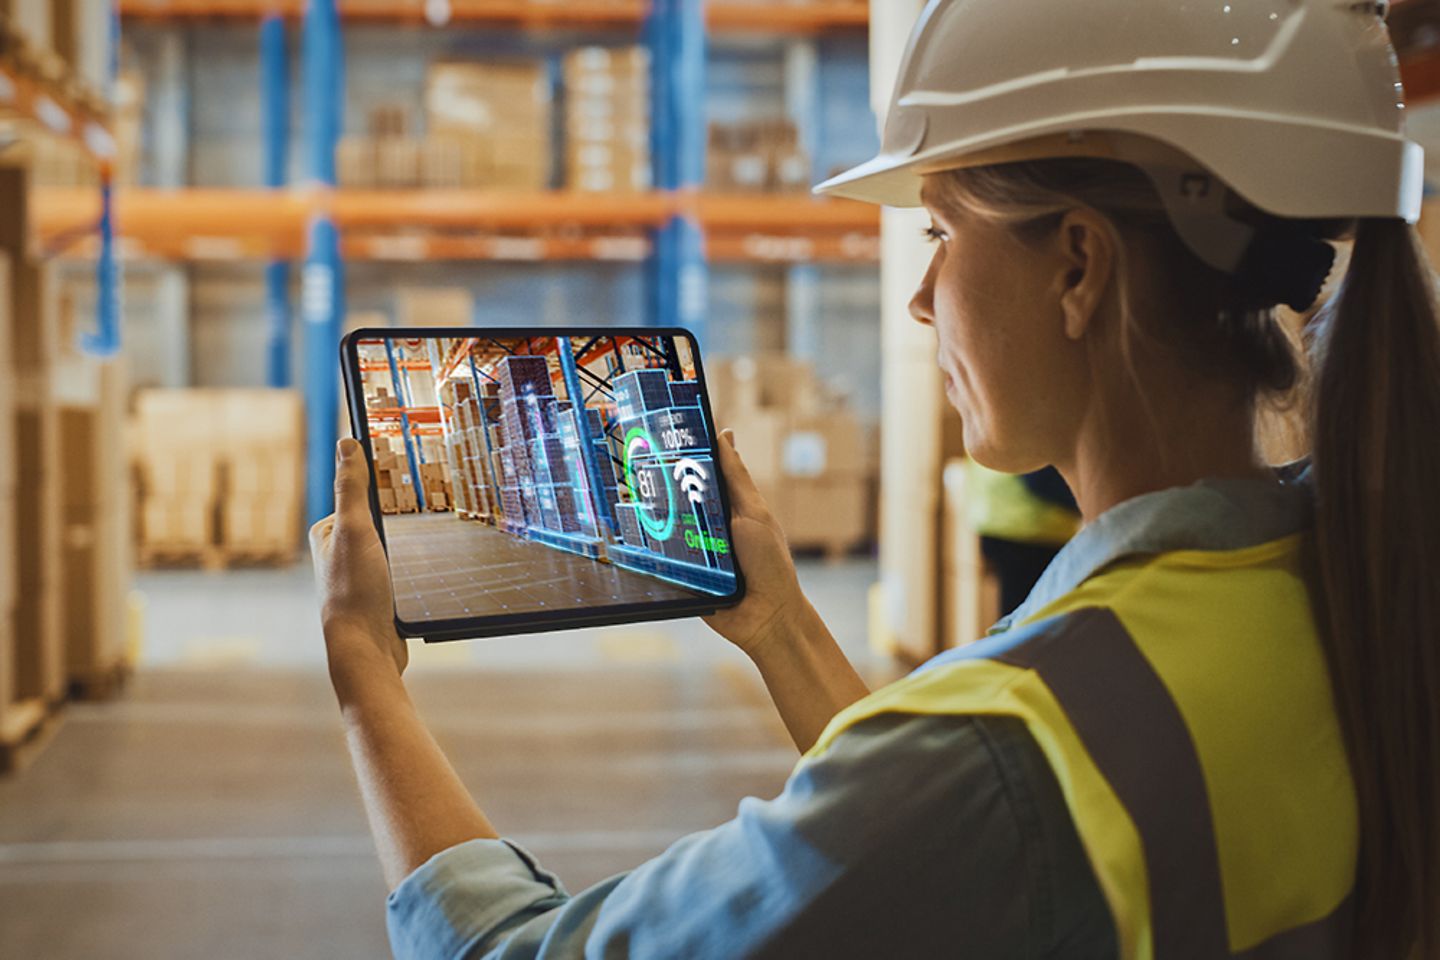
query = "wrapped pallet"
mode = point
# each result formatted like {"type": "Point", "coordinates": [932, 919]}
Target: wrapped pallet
{"type": "Point", "coordinates": [221, 477]}
{"type": "Point", "coordinates": [262, 458]}
{"type": "Point", "coordinates": [177, 463]}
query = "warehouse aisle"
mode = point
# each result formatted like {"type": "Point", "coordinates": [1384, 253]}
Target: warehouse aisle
{"type": "Point", "coordinates": [212, 811]}
{"type": "Point", "coordinates": [453, 569]}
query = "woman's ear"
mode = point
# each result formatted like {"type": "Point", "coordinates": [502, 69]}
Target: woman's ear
{"type": "Point", "coordinates": [1087, 253]}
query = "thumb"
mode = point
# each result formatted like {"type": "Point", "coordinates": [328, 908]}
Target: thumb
{"type": "Point", "coordinates": [352, 482]}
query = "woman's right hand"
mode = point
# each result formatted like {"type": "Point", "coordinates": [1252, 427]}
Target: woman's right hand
{"type": "Point", "coordinates": [773, 598]}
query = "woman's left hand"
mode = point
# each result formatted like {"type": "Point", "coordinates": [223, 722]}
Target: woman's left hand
{"type": "Point", "coordinates": [353, 576]}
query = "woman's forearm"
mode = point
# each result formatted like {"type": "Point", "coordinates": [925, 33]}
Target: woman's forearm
{"type": "Point", "coordinates": [808, 676]}
{"type": "Point", "coordinates": [415, 802]}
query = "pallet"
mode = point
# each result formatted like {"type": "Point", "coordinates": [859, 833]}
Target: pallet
{"type": "Point", "coordinates": [25, 728]}
{"type": "Point", "coordinates": [237, 557]}
{"type": "Point", "coordinates": [105, 683]}
{"type": "Point", "coordinates": [832, 552]}
{"type": "Point", "coordinates": [187, 556]}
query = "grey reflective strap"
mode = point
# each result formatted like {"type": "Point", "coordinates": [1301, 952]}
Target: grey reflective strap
{"type": "Point", "coordinates": [1138, 740]}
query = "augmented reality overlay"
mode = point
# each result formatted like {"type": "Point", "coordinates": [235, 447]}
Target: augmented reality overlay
{"type": "Point", "coordinates": [542, 474]}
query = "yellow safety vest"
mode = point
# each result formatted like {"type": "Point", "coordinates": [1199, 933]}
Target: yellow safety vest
{"type": "Point", "coordinates": [1184, 703]}
{"type": "Point", "coordinates": [1000, 505]}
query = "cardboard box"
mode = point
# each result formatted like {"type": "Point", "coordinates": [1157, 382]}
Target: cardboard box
{"type": "Point", "coordinates": [826, 445]}
{"type": "Point", "coordinates": [96, 573]}
{"type": "Point", "coordinates": [826, 513]}
{"type": "Point", "coordinates": [434, 307]}
{"type": "Point", "coordinates": [259, 524]}
{"type": "Point", "coordinates": [488, 99]}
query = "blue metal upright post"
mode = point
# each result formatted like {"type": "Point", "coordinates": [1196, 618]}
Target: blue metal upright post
{"type": "Point", "coordinates": [323, 280]}
{"type": "Point", "coordinates": [275, 124]}
{"type": "Point", "coordinates": [675, 34]}
{"type": "Point", "coordinates": [105, 341]}
{"type": "Point", "coordinates": [402, 397]}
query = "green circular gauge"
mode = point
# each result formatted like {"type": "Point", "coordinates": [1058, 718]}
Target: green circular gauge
{"type": "Point", "coordinates": [661, 530]}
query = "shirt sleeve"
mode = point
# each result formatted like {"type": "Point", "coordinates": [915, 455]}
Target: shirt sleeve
{"type": "Point", "coordinates": [911, 836]}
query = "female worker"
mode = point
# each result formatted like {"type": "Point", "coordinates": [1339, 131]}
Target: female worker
{"type": "Point", "coordinates": [1213, 729]}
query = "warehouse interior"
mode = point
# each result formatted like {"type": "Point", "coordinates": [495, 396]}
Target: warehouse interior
{"type": "Point", "coordinates": [200, 198]}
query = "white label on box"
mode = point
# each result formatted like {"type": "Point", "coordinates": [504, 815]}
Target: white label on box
{"type": "Point", "coordinates": [805, 454]}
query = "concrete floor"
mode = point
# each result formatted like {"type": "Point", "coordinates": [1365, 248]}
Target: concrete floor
{"type": "Point", "coordinates": [444, 568]}
{"type": "Point", "coordinates": [212, 813]}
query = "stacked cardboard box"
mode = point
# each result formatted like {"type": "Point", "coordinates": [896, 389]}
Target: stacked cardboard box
{"type": "Point", "coordinates": [970, 593]}
{"type": "Point", "coordinates": [812, 458]}
{"type": "Point", "coordinates": [9, 505]}
{"type": "Point", "coordinates": [498, 116]}
{"type": "Point", "coordinates": [761, 156]}
{"type": "Point", "coordinates": [95, 522]}
{"type": "Point", "coordinates": [393, 482]}
{"type": "Point", "coordinates": [35, 322]}
{"type": "Point", "coordinates": [607, 119]}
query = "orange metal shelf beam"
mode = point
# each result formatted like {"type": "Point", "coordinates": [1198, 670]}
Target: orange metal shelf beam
{"type": "Point", "coordinates": [743, 16]}
{"type": "Point", "coordinates": [791, 18]}
{"type": "Point", "coordinates": [583, 13]}
{"type": "Point", "coordinates": [205, 224]}
{"type": "Point", "coordinates": [485, 209]}
{"type": "Point", "coordinates": [779, 214]}
{"type": "Point", "coordinates": [416, 414]}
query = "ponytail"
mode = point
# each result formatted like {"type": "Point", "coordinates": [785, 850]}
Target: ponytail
{"type": "Point", "coordinates": [1377, 470]}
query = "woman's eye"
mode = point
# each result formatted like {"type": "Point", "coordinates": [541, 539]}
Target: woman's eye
{"type": "Point", "coordinates": [933, 234]}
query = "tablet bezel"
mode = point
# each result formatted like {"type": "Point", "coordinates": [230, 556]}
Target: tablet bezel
{"type": "Point", "coordinates": [502, 625]}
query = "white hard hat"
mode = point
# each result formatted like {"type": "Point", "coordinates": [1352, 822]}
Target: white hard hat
{"type": "Point", "coordinates": [1294, 104]}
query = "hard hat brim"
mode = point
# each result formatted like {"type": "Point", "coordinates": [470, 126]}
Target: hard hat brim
{"type": "Point", "coordinates": [884, 180]}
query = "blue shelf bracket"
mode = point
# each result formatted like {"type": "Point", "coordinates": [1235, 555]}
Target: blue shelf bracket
{"type": "Point", "coordinates": [323, 278]}
{"type": "Point", "coordinates": [275, 125]}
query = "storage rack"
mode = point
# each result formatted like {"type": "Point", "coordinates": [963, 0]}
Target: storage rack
{"type": "Point", "coordinates": [674, 232]}
{"type": "Point", "coordinates": [47, 92]}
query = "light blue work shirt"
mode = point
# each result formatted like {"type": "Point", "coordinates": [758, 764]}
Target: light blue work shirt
{"type": "Point", "coordinates": [910, 837]}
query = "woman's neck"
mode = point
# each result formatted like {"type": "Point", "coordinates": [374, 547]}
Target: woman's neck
{"type": "Point", "coordinates": [1131, 450]}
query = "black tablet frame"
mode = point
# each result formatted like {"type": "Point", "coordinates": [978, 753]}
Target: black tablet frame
{"type": "Point", "coordinates": [436, 631]}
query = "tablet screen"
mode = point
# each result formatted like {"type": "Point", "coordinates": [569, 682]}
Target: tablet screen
{"type": "Point", "coordinates": [538, 474]}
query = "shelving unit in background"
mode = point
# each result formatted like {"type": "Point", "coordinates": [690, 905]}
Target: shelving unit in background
{"type": "Point", "coordinates": [674, 232]}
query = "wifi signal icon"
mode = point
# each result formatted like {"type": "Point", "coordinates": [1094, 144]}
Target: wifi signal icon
{"type": "Point", "coordinates": [692, 477]}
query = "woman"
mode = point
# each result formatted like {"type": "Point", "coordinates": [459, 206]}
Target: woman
{"type": "Point", "coordinates": [1212, 728]}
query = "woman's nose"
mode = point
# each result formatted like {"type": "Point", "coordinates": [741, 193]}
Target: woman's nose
{"type": "Point", "coordinates": [922, 305]}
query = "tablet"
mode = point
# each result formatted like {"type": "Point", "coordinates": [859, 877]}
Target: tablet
{"type": "Point", "coordinates": [541, 479]}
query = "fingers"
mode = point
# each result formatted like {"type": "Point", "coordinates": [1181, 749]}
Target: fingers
{"type": "Point", "coordinates": [744, 494]}
{"type": "Point", "coordinates": [352, 483]}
